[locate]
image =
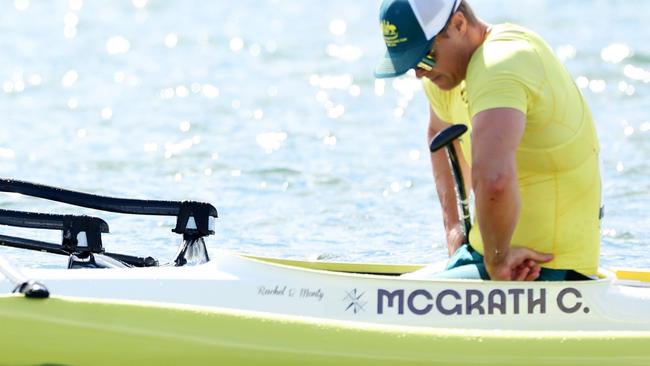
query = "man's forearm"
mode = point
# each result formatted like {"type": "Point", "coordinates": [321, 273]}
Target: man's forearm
{"type": "Point", "coordinates": [497, 204]}
{"type": "Point", "coordinates": [448, 201]}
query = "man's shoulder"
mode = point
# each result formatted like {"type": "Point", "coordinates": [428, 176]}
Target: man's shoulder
{"type": "Point", "coordinates": [507, 41]}
{"type": "Point", "coordinates": [510, 32]}
{"type": "Point", "coordinates": [508, 48]}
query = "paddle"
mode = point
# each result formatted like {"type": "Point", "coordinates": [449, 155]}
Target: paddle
{"type": "Point", "coordinates": [445, 138]}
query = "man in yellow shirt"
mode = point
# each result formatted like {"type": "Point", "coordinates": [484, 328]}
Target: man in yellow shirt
{"type": "Point", "coordinates": [532, 159]}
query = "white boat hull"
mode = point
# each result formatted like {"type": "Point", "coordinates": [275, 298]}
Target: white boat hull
{"type": "Point", "coordinates": [230, 281]}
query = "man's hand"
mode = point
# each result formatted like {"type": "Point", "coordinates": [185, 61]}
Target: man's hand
{"type": "Point", "coordinates": [517, 264]}
{"type": "Point", "coordinates": [455, 238]}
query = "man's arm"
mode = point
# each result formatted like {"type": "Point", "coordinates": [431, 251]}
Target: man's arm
{"type": "Point", "coordinates": [444, 181]}
{"type": "Point", "coordinates": [496, 133]}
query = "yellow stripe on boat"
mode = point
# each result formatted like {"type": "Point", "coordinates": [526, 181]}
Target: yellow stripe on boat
{"type": "Point", "coordinates": [348, 267]}
{"type": "Point", "coordinates": [632, 274]}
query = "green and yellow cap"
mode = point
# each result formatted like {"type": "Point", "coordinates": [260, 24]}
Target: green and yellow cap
{"type": "Point", "coordinates": [409, 27]}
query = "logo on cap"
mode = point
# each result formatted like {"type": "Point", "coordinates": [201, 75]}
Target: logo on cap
{"type": "Point", "coordinates": [391, 37]}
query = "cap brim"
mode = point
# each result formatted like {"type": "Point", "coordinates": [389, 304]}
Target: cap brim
{"type": "Point", "coordinates": [392, 65]}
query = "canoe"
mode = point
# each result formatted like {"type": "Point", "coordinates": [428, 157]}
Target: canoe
{"type": "Point", "coordinates": [231, 309]}
{"type": "Point", "coordinates": [240, 310]}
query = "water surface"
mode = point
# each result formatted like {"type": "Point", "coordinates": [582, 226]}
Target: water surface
{"type": "Point", "coordinates": [269, 110]}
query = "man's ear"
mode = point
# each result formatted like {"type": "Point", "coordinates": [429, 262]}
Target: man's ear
{"type": "Point", "coordinates": [459, 23]}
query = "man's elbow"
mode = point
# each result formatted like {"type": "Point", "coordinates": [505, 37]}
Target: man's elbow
{"type": "Point", "coordinates": [492, 183]}
{"type": "Point", "coordinates": [432, 131]}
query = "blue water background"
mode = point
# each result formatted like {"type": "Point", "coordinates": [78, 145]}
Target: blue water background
{"type": "Point", "coordinates": [269, 111]}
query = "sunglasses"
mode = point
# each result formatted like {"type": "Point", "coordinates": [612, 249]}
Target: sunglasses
{"type": "Point", "coordinates": [428, 62]}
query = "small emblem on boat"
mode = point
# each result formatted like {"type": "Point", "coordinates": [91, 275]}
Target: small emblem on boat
{"type": "Point", "coordinates": [355, 302]}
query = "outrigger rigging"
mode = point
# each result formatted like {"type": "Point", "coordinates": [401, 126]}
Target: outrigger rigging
{"type": "Point", "coordinates": [81, 234]}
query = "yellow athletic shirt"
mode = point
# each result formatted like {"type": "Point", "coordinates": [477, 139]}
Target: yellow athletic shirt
{"type": "Point", "coordinates": [557, 159]}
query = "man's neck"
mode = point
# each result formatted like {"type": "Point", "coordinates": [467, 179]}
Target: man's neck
{"type": "Point", "coordinates": [479, 33]}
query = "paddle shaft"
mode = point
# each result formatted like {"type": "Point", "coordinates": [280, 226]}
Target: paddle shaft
{"type": "Point", "coordinates": [463, 201]}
